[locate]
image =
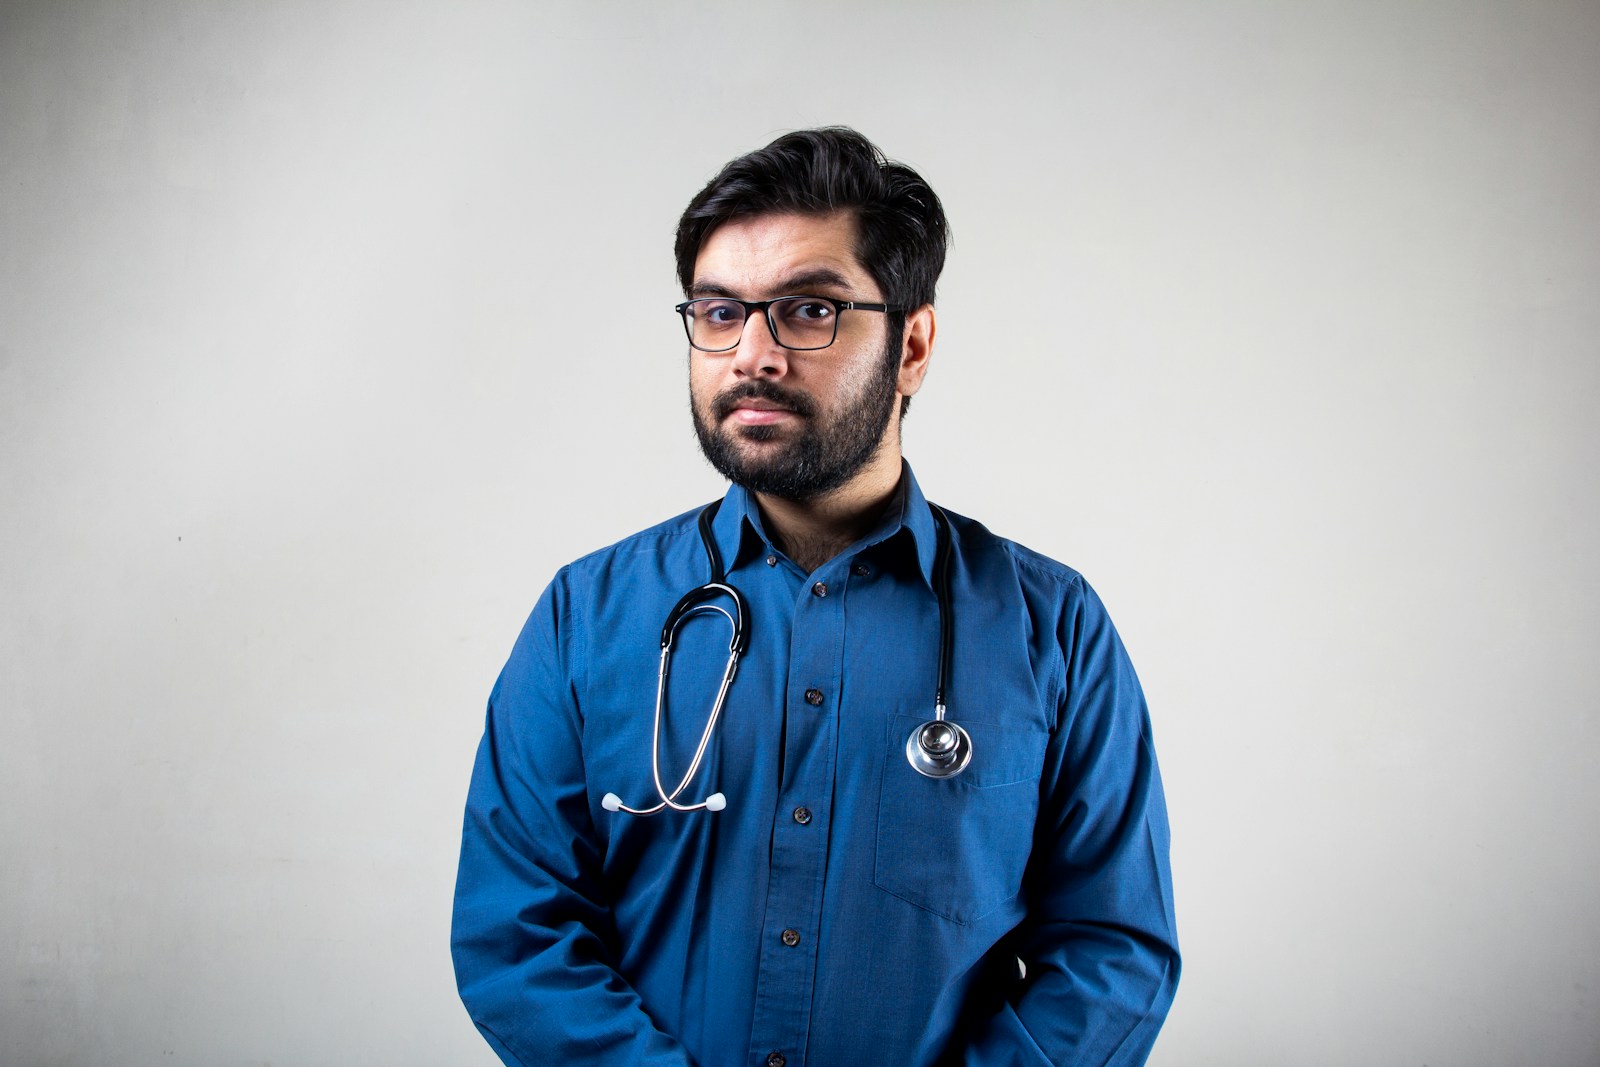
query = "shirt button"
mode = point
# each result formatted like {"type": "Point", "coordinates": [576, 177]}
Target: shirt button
{"type": "Point", "coordinates": [861, 570]}
{"type": "Point", "coordinates": [775, 1059]}
{"type": "Point", "coordinates": [813, 697]}
{"type": "Point", "coordinates": [820, 589]}
{"type": "Point", "coordinates": [791, 938]}
{"type": "Point", "coordinates": [772, 561]}
{"type": "Point", "coordinates": [802, 815]}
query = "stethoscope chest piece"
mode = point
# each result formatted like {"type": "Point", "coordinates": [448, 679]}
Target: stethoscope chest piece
{"type": "Point", "coordinates": [939, 748]}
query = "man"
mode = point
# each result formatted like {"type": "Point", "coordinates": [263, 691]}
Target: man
{"type": "Point", "coordinates": [830, 875]}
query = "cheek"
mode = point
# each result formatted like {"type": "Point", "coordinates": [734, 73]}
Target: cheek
{"type": "Point", "coordinates": [852, 380]}
{"type": "Point", "coordinates": [703, 385]}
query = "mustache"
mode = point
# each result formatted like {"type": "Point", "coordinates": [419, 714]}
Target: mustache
{"type": "Point", "coordinates": [723, 403]}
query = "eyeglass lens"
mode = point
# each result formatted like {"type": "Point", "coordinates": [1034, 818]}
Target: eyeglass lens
{"type": "Point", "coordinates": [800, 322]}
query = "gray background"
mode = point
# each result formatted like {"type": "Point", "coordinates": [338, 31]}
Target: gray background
{"type": "Point", "coordinates": [328, 331]}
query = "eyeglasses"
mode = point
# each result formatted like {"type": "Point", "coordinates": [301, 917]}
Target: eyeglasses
{"type": "Point", "coordinates": [801, 323]}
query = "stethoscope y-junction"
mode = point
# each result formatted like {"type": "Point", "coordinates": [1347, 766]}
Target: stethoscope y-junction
{"type": "Point", "coordinates": [937, 748]}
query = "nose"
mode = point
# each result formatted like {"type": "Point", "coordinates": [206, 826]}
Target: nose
{"type": "Point", "coordinates": [759, 355]}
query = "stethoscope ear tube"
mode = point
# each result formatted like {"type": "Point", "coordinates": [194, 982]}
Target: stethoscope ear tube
{"type": "Point", "coordinates": [701, 599]}
{"type": "Point", "coordinates": [716, 801]}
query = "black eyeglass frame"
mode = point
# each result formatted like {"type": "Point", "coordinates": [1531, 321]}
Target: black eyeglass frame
{"type": "Point", "coordinates": [765, 307]}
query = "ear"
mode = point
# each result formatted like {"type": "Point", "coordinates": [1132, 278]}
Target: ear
{"type": "Point", "coordinates": [916, 349]}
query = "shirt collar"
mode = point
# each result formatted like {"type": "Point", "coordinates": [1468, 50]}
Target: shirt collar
{"type": "Point", "coordinates": [737, 537]}
{"type": "Point", "coordinates": [739, 534]}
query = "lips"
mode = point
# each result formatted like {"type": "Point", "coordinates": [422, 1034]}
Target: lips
{"type": "Point", "coordinates": [760, 412]}
{"type": "Point", "coordinates": [761, 402]}
{"type": "Point", "coordinates": [748, 416]}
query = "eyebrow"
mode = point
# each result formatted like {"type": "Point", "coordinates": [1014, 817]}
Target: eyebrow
{"type": "Point", "coordinates": [799, 284]}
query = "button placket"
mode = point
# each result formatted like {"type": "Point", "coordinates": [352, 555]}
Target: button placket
{"type": "Point", "coordinates": [785, 985]}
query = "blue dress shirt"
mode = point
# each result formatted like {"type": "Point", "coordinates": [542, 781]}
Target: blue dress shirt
{"type": "Point", "coordinates": [843, 909]}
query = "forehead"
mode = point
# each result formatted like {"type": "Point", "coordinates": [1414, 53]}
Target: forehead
{"type": "Point", "coordinates": [763, 255]}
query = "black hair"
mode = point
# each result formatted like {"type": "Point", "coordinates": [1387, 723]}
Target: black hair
{"type": "Point", "coordinates": [901, 229]}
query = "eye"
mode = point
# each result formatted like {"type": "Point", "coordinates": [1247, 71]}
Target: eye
{"type": "Point", "coordinates": [806, 311]}
{"type": "Point", "coordinates": [717, 313]}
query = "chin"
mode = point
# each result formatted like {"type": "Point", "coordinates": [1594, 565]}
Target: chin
{"type": "Point", "coordinates": [757, 433]}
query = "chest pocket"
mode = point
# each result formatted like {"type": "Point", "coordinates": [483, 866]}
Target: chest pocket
{"type": "Point", "coordinates": [958, 846]}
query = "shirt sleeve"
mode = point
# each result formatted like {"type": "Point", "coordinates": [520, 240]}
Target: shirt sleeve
{"type": "Point", "coordinates": [1099, 944]}
{"type": "Point", "coordinates": [533, 939]}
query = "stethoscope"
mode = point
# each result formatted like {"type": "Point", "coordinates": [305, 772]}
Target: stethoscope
{"type": "Point", "coordinates": [937, 748]}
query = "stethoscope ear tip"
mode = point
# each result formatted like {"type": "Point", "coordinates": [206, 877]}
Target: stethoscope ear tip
{"type": "Point", "coordinates": [611, 802]}
{"type": "Point", "coordinates": [716, 802]}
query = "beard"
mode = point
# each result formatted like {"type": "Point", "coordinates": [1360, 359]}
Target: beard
{"type": "Point", "coordinates": [829, 449]}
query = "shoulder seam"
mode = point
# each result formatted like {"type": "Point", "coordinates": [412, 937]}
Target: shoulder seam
{"type": "Point", "coordinates": [673, 527]}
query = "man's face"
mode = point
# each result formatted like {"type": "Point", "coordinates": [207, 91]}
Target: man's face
{"type": "Point", "coordinates": [794, 425]}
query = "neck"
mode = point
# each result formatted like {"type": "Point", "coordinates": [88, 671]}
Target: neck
{"type": "Point", "coordinates": [811, 532]}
